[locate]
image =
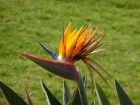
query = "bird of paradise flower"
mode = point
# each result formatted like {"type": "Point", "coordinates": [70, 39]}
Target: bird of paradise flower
{"type": "Point", "coordinates": [74, 46]}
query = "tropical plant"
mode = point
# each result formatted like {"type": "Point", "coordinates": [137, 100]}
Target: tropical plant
{"type": "Point", "coordinates": [74, 46]}
{"type": "Point", "coordinates": [79, 96]}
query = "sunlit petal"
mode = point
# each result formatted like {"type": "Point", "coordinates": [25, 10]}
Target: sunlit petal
{"type": "Point", "coordinates": [78, 44]}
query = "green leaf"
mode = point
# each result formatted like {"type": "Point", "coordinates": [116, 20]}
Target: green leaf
{"type": "Point", "coordinates": [50, 98]}
{"type": "Point", "coordinates": [11, 97]}
{"type": "Point", "coordinates": [82, 91]}
{"type": "Point", "coordinates": [85, 81]}
{"type": "Point", "coordinates": [102, 98]}
{"type": "Point", "coordinates": [28, 97]}
{"type": "Point", "coordinates": [79, 96]}
{"type": "Point", "coordinates": [66, 93]}
{"type": "Point", "coordinates": [123, 97]}
{"type": "Point", "coordinates": [93, 103]}
{"type": "Point", "coordinates": [75, 100]}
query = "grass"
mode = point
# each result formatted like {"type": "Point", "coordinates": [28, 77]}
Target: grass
{"type": "Point", "coordinates": [24, 22]}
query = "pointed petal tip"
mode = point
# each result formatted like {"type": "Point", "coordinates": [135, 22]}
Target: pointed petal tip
{"type": "Point", "coordinates": [69, 23]}
{"type": "Point", "coordinates": [62, 69]}
{"type": "Point", "coordinates": [21, 52]}
{"type": "Point", "coordinates": [31, 57]}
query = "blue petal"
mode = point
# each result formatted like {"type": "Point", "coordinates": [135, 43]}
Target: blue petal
{"type": "Point", "coordinates": [50, 52]}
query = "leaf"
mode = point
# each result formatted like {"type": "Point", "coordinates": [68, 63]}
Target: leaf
{"type": "Point", "coordinates": [123, 97]}
{"type": "Point", "coordinates": [75, 100]}
{"type": "Point", "coordinates": [93, 103]}
{"type": "Point", "coordinates": [102, 98]}
{"type": "Point", "coordinates": [82, 91]}
{"type": "Point", "coordinates": [79, 96]}
{"type": "Point", "coordinates": [66, 93]}
{"type": "Point", "coordinates": [85, 81]}
{"type": "Point", "coordinates": [11, 97]}
{"type": "Point", "coordinates": [28, 97]}
{"type": "Point", "coordinates": [50, 98]}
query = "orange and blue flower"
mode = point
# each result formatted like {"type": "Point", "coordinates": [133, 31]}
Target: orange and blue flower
{"type": "Point", "coordinates": [74, 46]}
